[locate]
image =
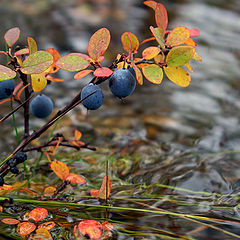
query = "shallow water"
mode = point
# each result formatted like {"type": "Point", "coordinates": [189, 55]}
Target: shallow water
{"type": "Point", "coordinates": [187, 138]}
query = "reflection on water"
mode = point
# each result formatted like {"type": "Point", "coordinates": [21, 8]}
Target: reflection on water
{"type": "Point", "coordinates": [201, 118]}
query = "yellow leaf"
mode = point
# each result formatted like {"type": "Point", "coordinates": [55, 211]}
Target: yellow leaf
{"type": "Point", "coordinates": [197, 57]}
{"type": "Point", "coordinates": [60, 169]}
{"type": "Point", "coordinates": [178, 36]}
{"type": "Point", "coordinates": [189, 67]}
{"type": "Point", "coordinates": [150, 52]}
{"type": "Point", "coordinates": [153, 73]}
{"type": "Point", "coordinates": [178, 75]}
{"type": "Point", "coordinates": [38, 82]}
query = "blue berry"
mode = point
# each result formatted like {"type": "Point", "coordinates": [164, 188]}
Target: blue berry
{"type": "Point", "coordinates": [41, 106]}
{"type": "Point", "coordinates": [1, 181]}
{"type": "Point", "coordinates": [122, 83]}
{"type": "Point", "coordinates": [6, 88]}
{"type": "Point", "coordinates": [132, 71]}
{"type": "Point", "coordinates": [14, 170]}
{"type": "Point", "coordinates": [94, 101]}
{"type": "Point", "coordinates": [11, 162]}
{"type": "Point", "coordinates": [20, 157]}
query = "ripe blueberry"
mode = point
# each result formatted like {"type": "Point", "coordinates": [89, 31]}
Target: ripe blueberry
{"type": "Point", "coordinates": [6, 88]}
{"type": "Point", "coordinates": [122, 83]}
{"type": "Point", "coordinates": [132, 71]}
{"type": "Point", "coordinates": [1, 181]}
{"type": "Point", "coordinates": [14, 170]}
{"type": "Point", "coordinates": [41, 106]}
{"type": "Point", "coordinates": [94, 101]}
{"type": "Point", "coordinates": [11, 162]}
{"type": "Point", "coordinates": [20, 157]}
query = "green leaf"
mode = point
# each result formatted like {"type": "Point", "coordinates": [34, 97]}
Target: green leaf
{"type": "Point", "coordinates": [178, 36]}
{"type": "Point", "coordinates": [6, 73]}
{"type": "Point", "coordinates": [37, 62]}
{"type": "Point", "coordinates": [72, 63]}
{"type": "Point", "coordinates": [179, 56]}
{"type": "Point", "coordinates": [11, 36]}
{"type": "Point", "coordinates": [150, 52]}
{"type": "Point", "coordinates": [98, 43]}
{"type": "Point", "coordinates": [158, 33]}
{"type": "Point", "coordinates": [130, 42]}
{"type": "Point", "coordinates": [32, 45]}
{"type": "Point", "coordinates": [153, 73]}
{"type": "Point", "coordinates": [178, 75]}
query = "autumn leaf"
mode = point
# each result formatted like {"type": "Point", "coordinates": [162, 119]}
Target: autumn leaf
{"type": "Point", "coordinates": [150, 52]}
{"type": "Point", "coordinates": [49, 191]}
{"type": "Point", "coordinates": [179, 56]}
{"type": "Point", "coordinates": [105, 188]}
{"type": "Point", "coordinates": [178, 75]}
{"type": "Point", "coordinates": [197, 57]}
{"type": "Point", "coordinates": [194, 32]}
{"type": "Point", "coordinates": [103, 72]}
{"type": "Point", "coordinates": [151, 4]}
{"type": "Point", "coordinates": [32, 45]}
{"type": "Point", "coordinates": [74, 178]}
{"type": "Point", "coordinates": [178, 36]}
{"type": "Point", "coordinates": [91, 228]}
{"type": "Point", "coordinates": [10, 221]}
{"type": "Point", "coordinates": [158, 33]}
{"type": "Point", "coordinates": [60, 169]}
{"type": "Point", "coordinates": [94, 193]}
{"type": "Point", "coordinates": [25, 228]}
{"type": "Point", "coordinates": [37, 62]}
{"type": "Point", "coordinates": [23, 51]}
{"type": "Point", "coordinates": [40, 234]}
{"type": "Point", "coordinates": [153, 73]}
{"type": "Point", "coordinates": [38, 82]}
{"type": "Point", "coordinates": [98, 43]}
{"type": "Point", "coordinates": [38, 214]}
{"type": "Point", "coordinates": [161, 16]}
{"type": "Point", "coordinates": [47, 225]}
{"type": "Point", "coordinates": [130, 42]}
{"type": "Point", "coordinates": [82, 74]}
{"type": "Point", "coordinates": [56, 56]}
{"type": "Point", "coordinates": [159, 58]}
{"type": "Point", "coordinates": [138, 73]}
{"type": "Point", "coordinates": [11, 36]}
{"type": "Point", "coordinates": [6, 73]}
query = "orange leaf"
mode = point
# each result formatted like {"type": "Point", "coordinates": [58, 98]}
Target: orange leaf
{"type": "Point", "coordinates": [50, 78]}
{"type": "Point", "coordinates": [56, 56]}
{"type": "Point", "coordinates": [103, 72]}
{"type": "Point", "coordinates": [105, 188]}
{"type": "Point", "coordinates": [98, 43]}
{"type": "Point", "coordinates": [1, 208]}
{"type": "Point", "coordinates": [82, 74]}
{"type": "Point", "coordinates": [147, 40]}
{"type": "Point", "coordinates": [6, 187]}
{"type": "Point", "coordinates": [159, 58]}
{"type": "Point", "coordinates": [107, 225]}
{"type": "Point", "coordinates": [190, 42]}
{"type": "Point", "coordinates": [20, 91]}
{"type": "Point", "coordinates": [91, 228]}
{"type": "Point", "coordinates": [151, 4]}
{"type": "Point", "coordinates": [161, 16]}
{"type": "Point", "coordinates": [74, 178]}
{"type": "Point", "coordinates": [178, 36]}
{"type": "Point", "coordinates": [5, 100]}
{"type": "Point", "coordinates": [150, 52]}
{"type": "Point", "coordinates": [94, 193]}
{"type": "Point", "coordinates": [41, 233]}
{"type": "Point", "coordinates": [25, 228]}
{"type": "Point", "coordinates": [130, 42]}
{"type": "Point", "coordinates": [11, 36]}
{"type": "Point", "coordinates": [49, 191]}
{"type": "Point", "coordinates": [139, 76]}
{"type": "Point", "coordinates": [10, 221]}
{"type": "Point", "coordinates": [189, 67]}
{"type": "Point", "coordinates": [47, 225]}
{"type": "Point", "coordinates": [60, 169]}
{"type": "Point", "coordinates": [77, 134]}
{"type": "Point", "coordinates": [38, 214]}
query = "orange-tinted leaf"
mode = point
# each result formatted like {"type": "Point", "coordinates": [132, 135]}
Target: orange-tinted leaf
{"type": "Point", "coordinates": [25, 228]}
{"type": "Point", "coordinates": [151, 4]}
{"type": "Point", "coordinates": [74, 178]}
{"type": "Point", "coordinates": [138, 73]}
{"type": "Point", "coordinates": [94, 193]}
{"type": "Point", "coordinates": [82, 74]}
{"type": "Point", "coordinates": [56, 56]}
{"type": "Point", "coordinates": [11, 36]}
{"type": "Point", "coordinates": [47, 225]}
{"type": "Point", "coordinates": [150, 52]}
{"type": "Point", "coordinates": [60, 169]}
{"type": "Point", "coordinates": [3, 101]}
{"type": "Point", "coordinates": [158, 33]}
{"type": "Point", "coordinates": [107, 226]}
{"type": "Point", "coordinates": [189, 67]}
{"type": "Point", "coordinates": [1, 208]}
{"type": "Point", "coordinates": [161, 16]}
{"type": "Point", "coordinates": [147, 40]}
{"type": "Point", "coordinates": [103, 72]}
{"type": "Point", "coordinates": [3, 52]}
{"type": "Point", "coordinates": [179, 56]}
{"type": "Point", "coordinates": [197, 57]}
{"type": "Point", "coordinates": [178, 75]}
{"type": "Point", "coordinates": [72, 63]}
{"type": "Point", "coordinates": [32, 45]}
{"type": "Point", "coordinates": [105, 189]}
{"type": "Point", "coordinates": [190, 42]}
{"type": "Point", "coordinates": [49, 191]}
{"type": "Point", "coordinates": [77, 134]}
{"type": "Point", "coordinates": [38, 214]}
{"type": "Point", "coordinates": [22, 52]}
{"type": "Point", "coordinates": [194, 32]}
{"type": "Point", "coordinates": [38, 81]}
{"type": "Point", "coordinates": [91, 228]}
{"type": "Point", "coordinates": [153, 73]}
{"type": "Point", "coordinates": [37, 62]}
{"type": "Point", "coordinates": [159, 58]}
{"type": "Point", "coordinates": [50, 78]}
{"type": "Point", "coordinates": [6, 73]}
{"type": "Point", "coordinates": [178, 36]}
{"type": "Point", "coordinates": [98, 43]}
{"type": "Point", "coordinates": [21, 90]}
{"type": "Point", "coordinates": [130, 42]}
{"type": "Point", "coordinates": [40, 234]}
{"type": "Point", "coordinates": [10, 221]}
{"type": "Point", "coordinates": [6, 187]}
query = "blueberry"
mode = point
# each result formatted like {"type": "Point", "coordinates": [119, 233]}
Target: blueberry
{"type": "Point", "coordinates": [14, 170]}
{"type": "Point", "coordinates": [41, 106]}
{"type": "Point", "coordinates": [6, 88]}
{"type": "Point", "coordinates": [94, 101]}
{"type": "Point", "coordinates": [122, 83]}
{"type": "Point", "coordinates": [11, 162]}
{"type": "Point", "coordinates": [20, 157]}
{"type": "Point", "coordinates": [132, 71]}
{"type": "Point", "coordinates": [1, 181]}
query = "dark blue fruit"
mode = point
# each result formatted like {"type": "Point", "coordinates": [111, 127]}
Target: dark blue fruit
{"type": "Point", "coordinates": [20, 157]}
{"type": "Point", "coordinates": [14, 170]}
{"type": "Point", "coordinates": [41, 106]}
{"type": "Point", "coordinates": [122, 83]}
{"type": "Point", "coordinates": [1, 181]}
{"type": "Point", "coordinates": [11, 162]}
{"type": "Point", "coordinates": [94, 101]}
{"type": "Point", "coordinates": [132, 71]}
{"type": "Point", "coordinates": [6, 88]}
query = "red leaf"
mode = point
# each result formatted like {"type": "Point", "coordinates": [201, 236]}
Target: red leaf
{"type": "Point", "coordinates": [82, 74]}
{"type": "Point", "coordinates": [94, 193]}
{"type": "Point", "coordinates": [47, 225]}
{"type": "Point", "coordinates": [103, 72]}
{"type": "Point", "coordinates": [151, 4]}
{"type": "Point", "coordinates": [60, 169]}
{"type": "Point", "coordinates": [194, 32]}
{"type": "Point", "coordinates": [161, 16]}
{"type": "Point", "coordinates": [10, 221]}
{"type": "Point", "coordinates": [107, 225]}
{"type": "Point", "coordinates": [50, 78]}
{"type": "Point", "coordinates": [98, 43]}
{"type": "Point", "coordinates": [11, 36]}
{"type": "Point", "coordinates": [91, 228]}
{"type": "Point", "coordinates": [38, 214]}
{"type": "Point", "coordinates": [25, 228]}
{"type": "Point", "coordinates": [74, 178]}
{"type": "Point", "coordinates": [105, 189]}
